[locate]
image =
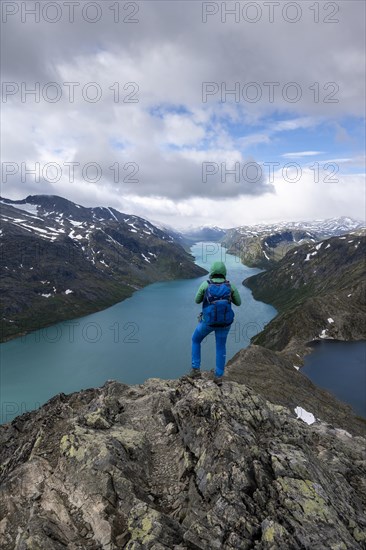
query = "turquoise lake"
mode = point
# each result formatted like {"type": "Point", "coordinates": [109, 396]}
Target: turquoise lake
{"type": "Point", "coordinates": [146, 336]}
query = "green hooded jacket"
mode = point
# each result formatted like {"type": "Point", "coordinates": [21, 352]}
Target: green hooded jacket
{"type": "Point", "coordinates": [217, 275]}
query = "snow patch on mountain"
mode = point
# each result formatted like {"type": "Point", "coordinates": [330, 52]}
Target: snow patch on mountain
{"type": "Point", "coordinates": [304, 415]}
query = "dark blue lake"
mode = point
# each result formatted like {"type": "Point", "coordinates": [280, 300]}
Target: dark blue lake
{"type": "Point", "coordinates": [146, 336]}
{"type": "Point", "coordinates": [340, 367]}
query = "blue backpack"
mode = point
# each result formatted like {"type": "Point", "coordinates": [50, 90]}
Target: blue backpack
{"type": "Point", "coordinates": [217, 310]}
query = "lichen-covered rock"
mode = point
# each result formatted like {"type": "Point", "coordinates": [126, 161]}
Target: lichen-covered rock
{"type": "Point", "coordinates": [178, 465]}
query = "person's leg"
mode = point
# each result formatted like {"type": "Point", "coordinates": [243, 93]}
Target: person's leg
{"type": "Point", "coordinates": [202, 330]}
{"type": "Point", "coordinates": [221, 336]}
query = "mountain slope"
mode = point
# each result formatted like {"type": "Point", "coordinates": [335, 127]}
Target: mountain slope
{"type": "Point", "coordinates": [265, 244]}
{"type": "Point", "coordinates": [262, 250]}
{"type": "Point", "coordinates": [61, 260]}
{"type": "Point", "coordinates": [319, 290]}
{"type": "Point", "coordinates": [178, 465]}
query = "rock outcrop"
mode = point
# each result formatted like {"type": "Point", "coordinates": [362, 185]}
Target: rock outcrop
{"type": "Point", "coordinates": [178, 465]}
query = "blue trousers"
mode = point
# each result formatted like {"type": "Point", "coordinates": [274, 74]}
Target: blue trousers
{"type": "Point", "coordinates": [202, 330]}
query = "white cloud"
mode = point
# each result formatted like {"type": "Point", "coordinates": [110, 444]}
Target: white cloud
{"type": "Point", "coordinates": [302, 154]}
{"type": "Point", "coordinates": [170, 132]}
{"type": "Point", "coordinates": [303, 200]}
{"type": "Point", "coordinates": [294, 124]}
{"type": "Point", "coordinates": [181, 131]}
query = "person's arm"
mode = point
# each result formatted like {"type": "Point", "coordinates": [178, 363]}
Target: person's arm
{"type": "Point", "coordinates": [201, 292]}
{"type": "Point", "coordinates": [235, 296]}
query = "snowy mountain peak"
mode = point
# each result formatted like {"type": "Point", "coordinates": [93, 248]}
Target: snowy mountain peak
{"type": "Point", "coordinates": [51, 217]}
{"type": "Point", "coordinates": [323, 228]}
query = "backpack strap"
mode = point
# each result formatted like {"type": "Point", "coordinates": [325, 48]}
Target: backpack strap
{"type": "Point", "coordinates": [229, 285]}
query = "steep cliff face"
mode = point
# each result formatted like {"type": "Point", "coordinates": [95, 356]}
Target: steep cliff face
{"type": "Point", "coordinates": [178, 465]}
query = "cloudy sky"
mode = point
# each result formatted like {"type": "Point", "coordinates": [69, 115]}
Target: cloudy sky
{"type": "Point", "coordinates": [188, 112]}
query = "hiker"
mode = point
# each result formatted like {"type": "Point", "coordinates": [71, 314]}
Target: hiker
{"type": "Point", "coordinates": [217, 294]}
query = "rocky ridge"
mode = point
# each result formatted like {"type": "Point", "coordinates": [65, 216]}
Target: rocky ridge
{"type": "Point", "coordinates": [178, 465]}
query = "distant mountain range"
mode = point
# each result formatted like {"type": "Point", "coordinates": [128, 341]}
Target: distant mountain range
{"type": "Point", "coordinates": [203, 233]}
{"type": "Point", "coordinates": [61, 260]}
{"type": "Point", "coordinates": [323, 228]}
{"type": "Point", "coordinates": [265, 244]}
{"type": "Point", "coordinates": [262, 245]}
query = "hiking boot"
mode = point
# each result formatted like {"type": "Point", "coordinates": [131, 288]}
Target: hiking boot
{"type": "Point", "coordinates": [218, 380]}
{"type": "Point", "coordinates": [195, 373]}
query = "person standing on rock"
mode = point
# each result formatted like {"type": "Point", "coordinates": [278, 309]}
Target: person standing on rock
{"type": "Point", "coordinates": [217, 294]}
